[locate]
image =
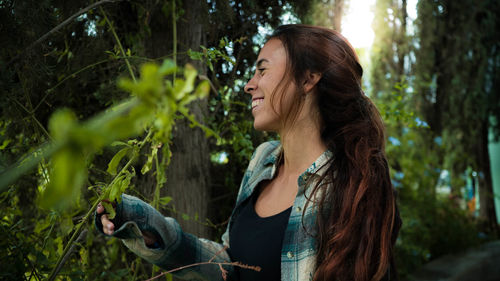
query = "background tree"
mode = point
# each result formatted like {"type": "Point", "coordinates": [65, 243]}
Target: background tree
{"type": "Point", "coordinates": [327, 13]}
{"type": "Point", "coordinates": [433, 89]}
{"type": "Point", "coordinates": [457, 78]}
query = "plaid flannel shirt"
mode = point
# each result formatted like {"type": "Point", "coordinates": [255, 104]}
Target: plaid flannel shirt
{"type": "Point", "coordinates": [298, 254]}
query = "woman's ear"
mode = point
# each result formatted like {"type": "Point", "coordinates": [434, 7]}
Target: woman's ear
{"type": "Point", "coordinates": [311, 80]}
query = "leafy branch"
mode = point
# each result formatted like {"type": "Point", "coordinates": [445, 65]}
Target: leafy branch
{"type": "Point", "coordinates": [156, 103]}
{"type": "Point", "coordinates": [58, 27]}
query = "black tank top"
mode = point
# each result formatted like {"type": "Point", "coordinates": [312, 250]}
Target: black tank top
{"type": "Point", "coordinates": [257, 241]}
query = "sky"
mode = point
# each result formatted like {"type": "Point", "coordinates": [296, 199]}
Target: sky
{"type": "Point", "coordinates": [357, 21]}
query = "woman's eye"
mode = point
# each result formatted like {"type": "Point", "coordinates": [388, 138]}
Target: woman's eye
{"type": "Point", "coordinates": [261, 70]}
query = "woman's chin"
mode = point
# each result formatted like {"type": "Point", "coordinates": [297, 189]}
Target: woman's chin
{"type": "Point", "coordinates": [264, 127]}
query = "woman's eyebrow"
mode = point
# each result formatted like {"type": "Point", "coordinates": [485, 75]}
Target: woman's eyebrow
{"type": "Point", "coordinates": [260, 62]}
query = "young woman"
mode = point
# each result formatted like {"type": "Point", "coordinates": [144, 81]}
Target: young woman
{"type": "Point", "coordinates": [317, 205]}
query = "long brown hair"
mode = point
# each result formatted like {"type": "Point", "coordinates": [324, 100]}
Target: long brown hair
{"type": "Point", "coordinates": [357, 217]}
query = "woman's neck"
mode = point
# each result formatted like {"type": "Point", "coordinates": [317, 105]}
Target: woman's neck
{"type": "Point", "coordinates": [302, 145]}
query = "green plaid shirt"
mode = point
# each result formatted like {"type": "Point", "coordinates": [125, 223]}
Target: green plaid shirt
{"type": "Point", "coordinates": [179, 248]}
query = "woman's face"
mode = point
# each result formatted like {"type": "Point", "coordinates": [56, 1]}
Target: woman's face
{"type": "Point", "coordinates": [270, 70]}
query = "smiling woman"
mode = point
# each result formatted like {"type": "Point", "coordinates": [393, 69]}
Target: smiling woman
{"type": "Point", "coordinates": [316, 205]}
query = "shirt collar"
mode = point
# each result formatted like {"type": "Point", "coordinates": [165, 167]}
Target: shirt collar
{"type": "Point", "coordinates": [273, 157]}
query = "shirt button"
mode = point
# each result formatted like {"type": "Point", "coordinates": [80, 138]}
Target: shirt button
{"type": "Point", "coordinates": [298, 209]}
{"type": "Point", "coordinates": [289, 255]}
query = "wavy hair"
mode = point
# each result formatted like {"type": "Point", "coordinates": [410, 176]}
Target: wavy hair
{"type": "Point", "coordinates": [357, 220]}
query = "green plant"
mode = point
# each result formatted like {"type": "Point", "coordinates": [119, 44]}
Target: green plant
{"type": "Point", "coordinates": [155, 104]}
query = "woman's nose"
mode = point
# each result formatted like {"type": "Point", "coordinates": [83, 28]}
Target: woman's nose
{"type": "Point", "coordinates": [250, 86]}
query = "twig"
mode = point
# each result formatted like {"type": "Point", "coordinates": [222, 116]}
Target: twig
{"type": "Point", "coordinates": [174, 34]}
{"type": "Point", "coordinates": [220, 264]}
{"type": "Point", "coordinates": [218, 252]}
{"type": "Point", "coordinates": [61, 25]}
{"type": "Point", "coordinates": [210, 261]}
{"type": "Point", "coordinates": [118, 42]}
{"type": "Point", "coordinates": [69, 252]}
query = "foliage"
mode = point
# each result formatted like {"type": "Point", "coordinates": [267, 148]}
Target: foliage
{"type": "Point", "coordinates": [403, 67]}
{"type": "Point", "coordinates": [154, 105]}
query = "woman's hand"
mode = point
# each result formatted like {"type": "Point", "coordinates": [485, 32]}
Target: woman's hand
{"type": "Point", "coordinates": [107, 226]}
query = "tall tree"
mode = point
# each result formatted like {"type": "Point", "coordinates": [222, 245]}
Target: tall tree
{"type": "Point", "coordinates": [327, 13]}
{"type": "Point", "coordinates": [390, 52]}
{"type": "Point", "coordinates": [457, 76]}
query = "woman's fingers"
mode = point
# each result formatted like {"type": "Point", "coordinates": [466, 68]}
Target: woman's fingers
{"type": "Point", "coordinates": [100, 208]}
{"type": "Point", "coordinates": [107, 226]}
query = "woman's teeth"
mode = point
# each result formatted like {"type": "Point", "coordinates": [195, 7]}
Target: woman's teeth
{"type": "Point", "coordinates": [256, 102]}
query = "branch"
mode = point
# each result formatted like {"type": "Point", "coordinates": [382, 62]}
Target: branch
{"type": "Point", "coordinates": [61, 25]}
{"type": "Point", "coordinates": [68, 253]}
{"type": "Point", "coordinates": [210, 261]}
{"type": "Point", "coordinates": [220, 264]}
{"type": "Point", "coordinates": [118, 42]}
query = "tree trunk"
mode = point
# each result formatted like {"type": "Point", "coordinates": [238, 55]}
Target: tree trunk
{"type": "Point", "coordinates": [188, 172]}
{"type": "Point", "coordinates": [486, 196]}
{"type": "Point", "coordinates": [338, 11]}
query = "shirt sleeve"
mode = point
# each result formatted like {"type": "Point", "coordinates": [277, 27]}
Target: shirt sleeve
{"type": "Point", "coordinates": [176, 248]}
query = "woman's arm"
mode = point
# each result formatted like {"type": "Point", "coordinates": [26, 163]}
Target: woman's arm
{"type": "Point", "coordinates": [161, 241]}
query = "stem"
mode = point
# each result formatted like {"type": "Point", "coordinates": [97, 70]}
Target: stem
{"type": "Point", "coordinates": [174, 32]}
{"type": "Point", "coordinates": [119, 43]}
{"type": "Point", "coordinates": [65, 257]}
{"type": "Point", "coordinates": [26, 164]}
{"type": "Point", "coordinates": [79, 227]}
{"type": "Point", "coordinates": [156, 198]}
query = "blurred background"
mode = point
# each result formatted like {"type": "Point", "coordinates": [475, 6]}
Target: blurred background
{"type": "Point", "coordinates": [431, 66]}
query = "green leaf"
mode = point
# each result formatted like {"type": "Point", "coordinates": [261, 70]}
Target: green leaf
{"type": "Point", "coordinates": [179, 89]}
{"type": "Point", "coordinates": [68, 174]}
{"type": "Point", "coordinates": [4, 144]}
{"type": "Point", "coordinates": [109, 209]}
{"type": "Point", "coordinates": [114, 191]}
{"type": "Point", "coordinates": [113, 164]}
{"type": "Point", "coordinates": [194, 55]}
{"type": "Point", "coordinates": [165, 200]}
{"type": "Point", "coordinates": [149, 163]}
{"type": "Point", "coordinates": [202, 90]}
{"type": "Point", "coordinates": [117, 143]}
{"type": "Point", "coordinates": [168, 67]}
{"type": "Point", "coordinates": [190, 74]}
{"type": "Point", "coordinates": [61, 123]}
